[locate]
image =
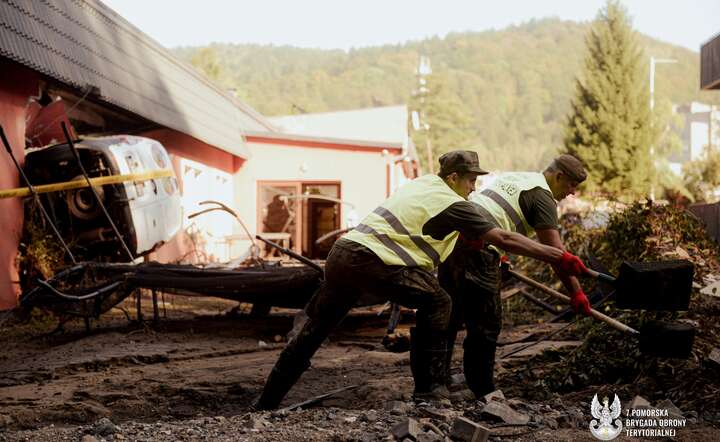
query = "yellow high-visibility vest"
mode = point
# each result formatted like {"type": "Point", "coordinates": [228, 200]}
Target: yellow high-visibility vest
{"type": "Point", "coordinates": [501, 199]}
{"type": "Point", "coordinates": [393, 231]}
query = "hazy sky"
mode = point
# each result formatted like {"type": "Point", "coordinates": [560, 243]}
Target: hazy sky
{"type": "Point", "coordinates": [359, 23]}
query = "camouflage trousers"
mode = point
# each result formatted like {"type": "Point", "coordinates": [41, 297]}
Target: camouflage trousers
{"type": "Point", "coordinates": [352, 271]}
{"type": "Point", "coordinates": [472, 278]}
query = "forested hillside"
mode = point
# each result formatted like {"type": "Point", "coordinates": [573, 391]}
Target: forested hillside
{"type": "Point", "coordinates": [509, 88]}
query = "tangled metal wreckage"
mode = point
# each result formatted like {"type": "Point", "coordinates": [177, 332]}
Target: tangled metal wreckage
{"type": "Point", "coordinates": [115, 199]}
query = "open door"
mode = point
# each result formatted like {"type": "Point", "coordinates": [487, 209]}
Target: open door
{"type": "Point", "coordinates": [320, 217]}
{"type": "Point", "coordinates": [323, 218]}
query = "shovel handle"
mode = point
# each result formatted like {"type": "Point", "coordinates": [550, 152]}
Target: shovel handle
{"type": "Point", "coordinates": [601, 276]}
{"type": "Point", "coordinates": [614, 323]}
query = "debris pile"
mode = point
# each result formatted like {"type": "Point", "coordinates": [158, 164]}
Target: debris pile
{"type": "Point", "coordinates": [40, 254]}
{"type": "Point", "coordinates": [641, 232]}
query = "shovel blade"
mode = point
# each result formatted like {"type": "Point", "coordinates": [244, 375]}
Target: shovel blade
{"type": "Point", "coordinates": [667, 339]}
{"type": "Point", "coordinates": [664, 285]}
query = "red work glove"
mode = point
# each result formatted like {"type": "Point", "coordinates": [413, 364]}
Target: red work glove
{"type": "Point", "coordinates": [571, 265]}
{"type": "Point", "coordinates": [580, 303]}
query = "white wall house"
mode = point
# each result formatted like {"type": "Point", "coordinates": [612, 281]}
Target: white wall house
{"type": "Point", "coordinates": [319, 173]}
{"type": "Point", "coordinates": [701, 128]}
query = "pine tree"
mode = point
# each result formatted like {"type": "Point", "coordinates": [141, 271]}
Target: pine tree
{"type": "Point", "coordinates": [609, 127]}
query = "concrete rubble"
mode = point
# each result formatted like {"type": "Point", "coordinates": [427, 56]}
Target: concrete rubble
{"type": "Point", "coordinates": [465, 430]}
{"type": "Point", "coordinates": [497, 394]}
{"type": "Point", "coordinates": [498, 410]}
{"type": "Point", "coordinates": [104, 427]}
{"type": "Point", "coordinates": [714, 357]}
{"type": "Point", "coordinates": [407, 428]}
{"type": "Point", "coordinates": [638, 402]}
{"type": "Point", "coordinates": [673, 411]}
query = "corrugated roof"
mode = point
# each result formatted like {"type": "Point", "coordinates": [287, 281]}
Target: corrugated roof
{"type": "Point", "coordinates": [85, 43]}
{"type": "Point", "coordinates": [379, 124]}
{"type": "Point", "coordinates": [710, 64]}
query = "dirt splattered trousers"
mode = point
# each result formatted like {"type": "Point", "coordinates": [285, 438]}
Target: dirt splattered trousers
{"type": "Point", "coordinates": [351, 272]}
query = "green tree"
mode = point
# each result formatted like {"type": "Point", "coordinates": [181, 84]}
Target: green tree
{"type": "Point", "coordinates": [206, 60]}
{"type": "Point", "coordinates": [445, 123]}
{"type": "Point", "coordinates": [516, 83]}
{"type": "Point", "coordinates": [667, 142]}
{"type": "Point", "coordinates": [702, 176]}
{"type": "Point", "coordinates": [610, 127]}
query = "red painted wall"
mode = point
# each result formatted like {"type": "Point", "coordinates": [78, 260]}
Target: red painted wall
{"type": "Point", "coordinates": [18, 84]}
{"type": "Point", "coordinates": [191, 148]}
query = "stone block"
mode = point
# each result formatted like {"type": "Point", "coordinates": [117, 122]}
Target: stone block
{"type": "Point", "coordinates": [397, 407]}
{"type": "Point", "coordinates": [502, 412]}
{"type": "Point", "coordinates": [497, 394]}
{"type": "Point", "coordinates": [407, 428]}
{"type": "Point", "coordinates": [714, 357]}
{"type": "Point", "coordinates": [465, 430]}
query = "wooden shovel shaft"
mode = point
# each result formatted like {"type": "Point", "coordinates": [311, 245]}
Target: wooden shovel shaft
{"type": "Point", "coordinates": [601, 276]}
{"type": "Point", "coordinates": [614, 323]}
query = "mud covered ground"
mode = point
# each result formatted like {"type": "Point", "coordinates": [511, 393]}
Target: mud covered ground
{"type": "Point", "coordinates": [193, 376]}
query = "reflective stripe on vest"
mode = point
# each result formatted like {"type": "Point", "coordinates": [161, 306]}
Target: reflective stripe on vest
{"type": "Point", "coordinates": [389, 243]}
{"type": "Point", "coordinates": [418, 240]}
{"type": "Point", "coordinates": [393, 231]}
{"type": "Point", "coordinates": [515, 217]}
{"type": "Point", "coordinates": [502, 199]}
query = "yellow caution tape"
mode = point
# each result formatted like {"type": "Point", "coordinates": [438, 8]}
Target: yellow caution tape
{"type": "Point", "coordinates": [78, 184]}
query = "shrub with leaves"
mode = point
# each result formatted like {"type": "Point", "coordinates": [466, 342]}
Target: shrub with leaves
{"type": "Point", "coordinates": [640, 232]}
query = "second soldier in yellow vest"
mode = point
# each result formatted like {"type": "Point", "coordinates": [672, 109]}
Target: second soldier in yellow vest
{"type": "Point", "coordinates": [391, 255]}
{"type": "Point", "coordinates": [522, 202]}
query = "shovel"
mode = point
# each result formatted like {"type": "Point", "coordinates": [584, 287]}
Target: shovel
{"type": "Point", "coordinates": [664, 285]}
{"type": "Point", "coordinates": [614, 323]}
{"type": "Point", "coordinates": [657, 338]}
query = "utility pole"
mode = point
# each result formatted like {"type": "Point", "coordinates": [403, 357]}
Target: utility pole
{"type": "Point", "coordinates": [419, 116]}
{"type": "Point", "coordinates": [653, 62]}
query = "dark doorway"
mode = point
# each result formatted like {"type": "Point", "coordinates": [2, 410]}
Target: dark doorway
{"type": "Point", "coordinates": [322, 219]}
{"type": "Point", "coordinates": [321, 216]}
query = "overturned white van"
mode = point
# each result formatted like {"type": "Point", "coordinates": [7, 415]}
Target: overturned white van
{"type": "Point", "coordinates": [146, 212]}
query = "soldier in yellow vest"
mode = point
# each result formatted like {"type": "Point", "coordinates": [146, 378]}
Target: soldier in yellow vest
{"type": "Point", "coordinates": [391, 255]}
{"type": "Point", "coordinates": [522, 202]}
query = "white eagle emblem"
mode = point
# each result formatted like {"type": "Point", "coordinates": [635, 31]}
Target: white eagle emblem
{"type": "Point", "coordinates": [604, 429]}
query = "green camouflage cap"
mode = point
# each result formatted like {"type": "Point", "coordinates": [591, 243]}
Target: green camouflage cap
{"type": "Point", "coordinates": [462, 161]}
{"type": "Point", "coordinates": [571, 166]}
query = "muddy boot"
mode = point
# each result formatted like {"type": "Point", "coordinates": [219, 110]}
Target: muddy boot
{"type": "Point", "coordinates": [277, 386]}
{"type": "Point", "coordinates": [435, 356]}
{"type": "Point", "coordinates": [479, 365]}
{"type": "Point", "coordinates": [448, 358]}
{"type": "Point", "coordinates": [418, 361]}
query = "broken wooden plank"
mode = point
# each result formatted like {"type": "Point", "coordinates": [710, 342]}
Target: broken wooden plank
{"type": "Point", "coordinates": [535, 349]}
{"type": "Point", "coordinates": [509, 293]}
{"type": "Point", "coordinates": [316, 399]}
{"type": "Point", "coordinates": [526, 332]}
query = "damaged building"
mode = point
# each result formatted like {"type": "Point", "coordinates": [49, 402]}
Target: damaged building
{"type": "Point", "coordinates": [80, 62]}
